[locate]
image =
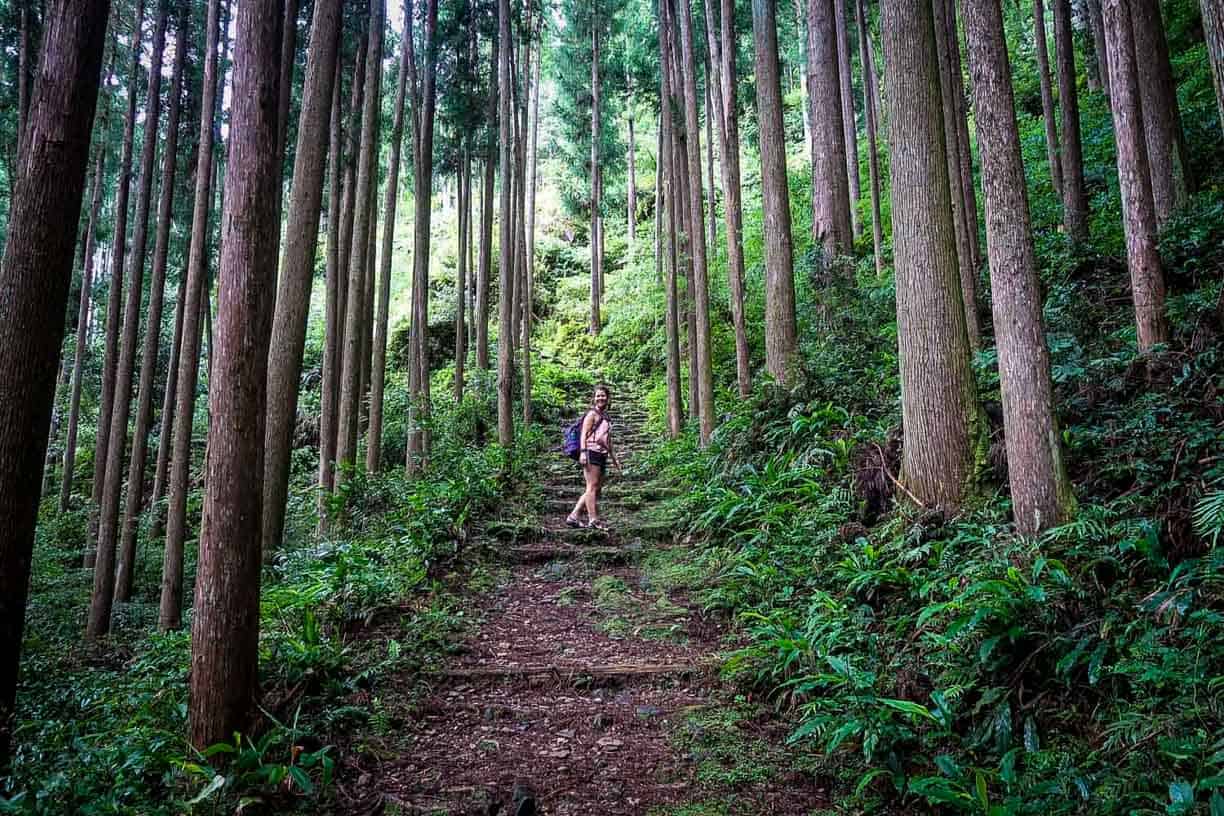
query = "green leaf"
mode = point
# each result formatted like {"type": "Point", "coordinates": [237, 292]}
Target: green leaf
{"type": "Point", "coordinates": [212, 787]}
{"type": "Point", "coordinates": [907, 707]}
{"type": "Point", "coordinates": [1217, 804]}
{"type": "Point", "coordinates": [1032, 742]}
{"type": "Point", "coordinates": [983, 796]}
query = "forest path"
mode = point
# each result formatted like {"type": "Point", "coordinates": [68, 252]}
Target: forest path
{"type": "Point", "coordinates": [587, 688]}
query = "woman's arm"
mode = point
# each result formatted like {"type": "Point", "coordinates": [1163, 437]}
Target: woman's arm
{"type": "Point", "coordinates": [582, 437]}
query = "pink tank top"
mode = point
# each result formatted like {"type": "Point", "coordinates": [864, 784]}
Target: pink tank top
{"type": "Point", "coordinates": [601, 430]}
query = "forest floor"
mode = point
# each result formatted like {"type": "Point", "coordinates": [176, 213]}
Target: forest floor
{"type": "Point", "coordinates": [585, 687]}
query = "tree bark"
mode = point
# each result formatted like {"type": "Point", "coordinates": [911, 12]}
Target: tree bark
{"type": "Point", "coordinates": [505, 359]}
{"type": "Point", "coordinates": [712, 198]}
{"type": "Point", "coordinates": [225, 632]}
{"type": "Point", "coordinates": [378, 371]}
{"type": "Point", "coordinates": [968, 193]}
{"type": "Point", "coordinates": [631, 188]}
{"type": "Point", "coordinates": [78, 367]}
{"type": "Point", "coordinates": [1041, 493]}
{"type": "Point", "coordinates": [952, 91]}
{"type": "Point", "coordinates": [532, 166]}
{"type": "Point", "coordinates": [1074, 196]}
{"type": "Point", "coordinates": [721, 43]}
{"type": "Point", "coordinates": [596, 259]}
{"type": "Point", "coordinates": [170, 396]}
{"type": "Point", "coordinates": [849, 120]}
{"type": "Point", "coordinates": [666, 185]}
{"type": "Point", "coordinates": [1161, 117]}
{"type": "Point", "coordinates": [297, 267]}
{"type": "Point", "coordinates": [938, 402]}
{"type": "Point", "coordinates": [35, 276]}
{"type": "Point", "coordinates": [170, 615]}
{"type": "Point", "coordinates": [1097, 24]}
{"type": "Point", "coordinates": [831, 203]}
{"type": "Point", "coordinates": [336, 285]}
{"type": "Point", "coordinates": [350, 380]}
{"type": "Point", "coordinates": [485, 271]}
{"type": "Point", "coordinates": [871, 103]}
{"type": "Point", "coordinates": [1053, 156]}
{"type": "Point", "coordinates": [701, 286]}
{"type": "Point", "coordinates": [423, 105]}
{"type": "Point", "coordinates": [461, 272]}
{"type": "Point", "coordinates": [153, 321]}
{"type": "Point", "coordinates": [781, 336]}
{"type": "Point", "coordinates": [288, 55]}
{"type": "Point", "coordinates": [1134, 178]}
{"type": "Point", "coordinates": [1213, 31]}
{"type": "Point", "coordinates": [114, 301]}
{"type": "Point", "coordinates": [105, 581]}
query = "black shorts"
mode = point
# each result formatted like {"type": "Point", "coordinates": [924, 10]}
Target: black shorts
{"type": "Point", "coordinates": [597, 458]}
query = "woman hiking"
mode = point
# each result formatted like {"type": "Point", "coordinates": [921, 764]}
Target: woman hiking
{"type": "Point", "coordinates": [594, 451]}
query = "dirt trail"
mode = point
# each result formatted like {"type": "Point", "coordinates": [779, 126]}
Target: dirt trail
{"type": "Point", "coordinates": [577, 692]}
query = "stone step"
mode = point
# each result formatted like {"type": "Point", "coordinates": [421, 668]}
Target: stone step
{"type": "Point", "coordinates": [540, 553]}
{"type": "Point", "coordinates": [577, 672]}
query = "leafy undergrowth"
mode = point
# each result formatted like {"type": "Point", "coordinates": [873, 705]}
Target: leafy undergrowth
{"type": "Point", "coordinates": [946, 662]}
{"type": "Point", "coordinates": [101, 729]}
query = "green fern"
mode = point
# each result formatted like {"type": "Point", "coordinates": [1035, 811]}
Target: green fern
{"type": "Point", "coordinates": [1209, 516]}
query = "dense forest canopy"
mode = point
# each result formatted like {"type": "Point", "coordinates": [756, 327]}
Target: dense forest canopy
{"type": "Point", "coordinates": [911, 318]}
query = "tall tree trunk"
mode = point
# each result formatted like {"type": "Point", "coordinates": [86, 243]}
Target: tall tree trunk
{"type": "Point", "coordinates": [170, 615]}
{"type": "Point", "coordinates": [722, 95]}
{"type": "Point", "coordinates": [831, 205]}
{"type": "Point", "coordinates": [781, 335]}
{"type": "Point", "coordinates": [1097, 24]}
{"type": "Point", "coordinates": [1041, 493]}
{"type": "Point", "coordinates": [104, 583]}
{"type": "Point", "coordinates": [153, 321]}
{"type": "Point", "coordinates": [348, 213]}
{"type": "Point", "coordinates": [532, 165]}
{"type": "Point", "coordinates": [378, 371]}
{"type": "Point", "coordinates": [701, 290]}
{"type": "Point", "coordinates": [658, 203]}
{"type": "Point", "coordinates": [288, 55]}
{"type": "Point", "coordinates": [684, 213]}
{"type": "Point", "coordinates": [1213, 31]}
{"type": "Point", "coordinates": [596, 259]}
{"type": "Point", "coordinates": [170, 395]}
{"type": "Point", "coordinates": [485, 271]}
{"type": "Point", "coordinates": [225, 632]}
{"type": "Point", "coordinates": [938, 403]}
{"type": "Point", "coordinates": [350, 381]}
{"type": "Point", "coordinates": [505, 359]}
{"type": "Point", "coordinates": [968, 193]}
{"type": "Point", "coordinates": [849, 120]}
{"type": "Point", "coordinates": [1047, 95]}
{"type": "Point", "coordinates": [1075, 199]}
{"type": "Point", "coordinates": [114, 301]}
{"type": "Point", "coordinates": [667, 187]}
{"type": "Point", "coordinates": [712, 198]}
{"type": "Point", "coordinates": [873, 151]}
{"type": "Point", "coordinates": [1134, 178]}
{"type": "Point", "coordinates": [35, 276]}
{"type": "Point", "coordinates": [336, 285]}
{"type": "Point", "coordinates": [284, 366]}
{"type": "Point", "coordinates": [424, 97]}
{"type": "Point", "coordinates": [82, 341]}
{"type": "Point", "coordinates": [461, 273]}
{"type": "Point", "coordinates": [631, 188]}
{"type": "Point", "coordinates": [950, 82]}
{"type": "Point", "coordinates": [1161, 117]}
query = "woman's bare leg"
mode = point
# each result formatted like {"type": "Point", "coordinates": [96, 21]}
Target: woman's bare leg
{"type": "Point", "coordinates": [594, 476]}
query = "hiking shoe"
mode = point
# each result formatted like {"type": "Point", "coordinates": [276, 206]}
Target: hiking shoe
{"type": "Point", "coordinates": [573, 523]}
{"type": "Point", "coordinates": [598, 524]}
